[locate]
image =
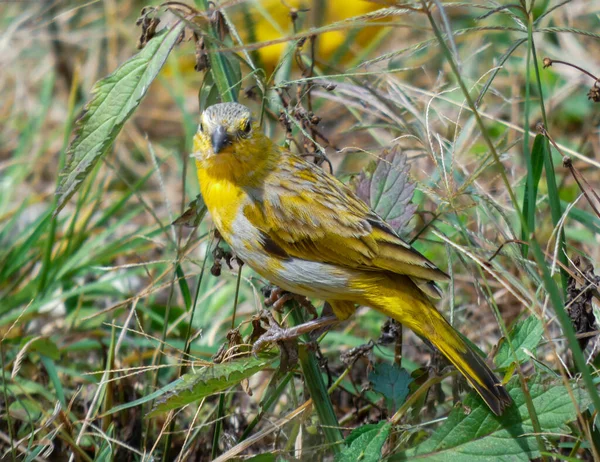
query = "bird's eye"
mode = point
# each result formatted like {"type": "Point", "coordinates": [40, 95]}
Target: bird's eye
{"type": "Point", "coordinates": [247, 126]}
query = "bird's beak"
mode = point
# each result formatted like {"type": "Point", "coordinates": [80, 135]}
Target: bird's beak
{"type": "Point", "coordinates": [219, 139]}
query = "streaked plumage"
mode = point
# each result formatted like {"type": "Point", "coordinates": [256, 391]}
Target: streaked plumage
{"type": "Point", "coordinates": [307, 232]}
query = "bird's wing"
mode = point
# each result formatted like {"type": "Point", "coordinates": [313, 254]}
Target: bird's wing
{"type": "Point", "coordinates": [305, 213]}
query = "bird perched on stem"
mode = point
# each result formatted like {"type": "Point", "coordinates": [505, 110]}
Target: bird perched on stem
{"type": "Point", "coordinates": [308, 233]}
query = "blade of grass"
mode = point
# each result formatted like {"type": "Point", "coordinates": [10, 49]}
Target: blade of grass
{"type": "Point", "coordinates": [219, 68]}
{"type": "Point", "coordinates": [274, 393]}
{"type": "Point", "coordinates": [61, 164]}
{"type": "Point", "coordinates": [553, 196]}
{"type": "Point", "coordinates": [318, 391]}
{"type": "Point", "coordinates": [499, 66]}
{"type": "Point", "coordinates": [55, 379]}
{"type": "Point", "coordinates": [538, 152]}
{"type": "Point", "coordinates": [217, 427]}
{"type": "Point", "coordinates": [221, 409]}
{"type": "Point", "coordinates": [6, 401]}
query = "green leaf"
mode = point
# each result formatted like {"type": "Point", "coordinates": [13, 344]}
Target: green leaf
{"type": "Point", "coordinates": [115, 98]}
{"type": "Point", "coordinates": [365, 443]}
{"type": "Point", "coordinates": [26, 410]}
{"type": "Point", "coordinates": [145, 399]}
{"type": "Point", "coordinates": [538, 152]}
{"type": "Point", "coordinates": [585, 218]}
{"type": "Point", "coordinates": [105, 452]}
{"type": "Point", "coordinates": [392, 382]}
{"type": "Point", "coordinates": [478, 435]}
{"type": "Point", "coordinates": [209, 380]}
{"type": "Point", "coordinates": [54, 379]}
{"type": "Point", "coordinates": [33, 453]}
{"type": "Point", "coordinates": [266, 457]}
{"type": "Point", "coordinates": [525, 336]}
{"type": "Point", "coordinates": [386, 187]}
{"type": "Point", "coordinates": [43, 346]}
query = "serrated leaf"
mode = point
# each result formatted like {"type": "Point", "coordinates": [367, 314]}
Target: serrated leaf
{"type": "Point", "coordinates": [392, 382]}
{"type": "Point", "coordinates": [209, 380]}
{"type": "Point", "coordinates": [478, 435]}
{"type": "Point", "coordinates": [114, 99]}
{"type": "Point", "coordinates": [525, 336]}
{"type": "Point", "coordinates": [365, 443]}
{"type": "Point", "coordinates": [386, 187]}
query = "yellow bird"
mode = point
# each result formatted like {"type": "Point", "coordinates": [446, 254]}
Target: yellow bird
{"type": "Point", "coordinates": [308, 233]}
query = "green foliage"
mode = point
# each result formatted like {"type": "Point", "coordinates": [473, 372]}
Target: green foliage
{"type": "Point", "coordinates": [392, 382]}
{"type": "Point", "coordinates": [365, 443]}
{"type": "Point", "coordinates": [209, 380]}
{"type": "Point", "coordinates": [43, 346]}
{"type": "Point", "coordinates": [539, 150]}
{"type": "Point", "coordinates": [267, 457]}
{"type": "Point", "coordinates": [115, 98]}
{"type": "Point", "coordinates": [524, 337]}
{"type": "Point", "coordinates": [25, 409]}
{"type": "Point", "coordinates": [473, 433]}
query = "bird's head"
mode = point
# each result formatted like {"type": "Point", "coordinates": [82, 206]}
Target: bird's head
{"type": "Point", "coordinates": [229, 143]}
{"type": "Point", "coordinates": [224, 128]}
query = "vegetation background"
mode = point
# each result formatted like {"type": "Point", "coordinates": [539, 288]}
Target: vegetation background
{"type": "Point", "coordinates": [107, 305]}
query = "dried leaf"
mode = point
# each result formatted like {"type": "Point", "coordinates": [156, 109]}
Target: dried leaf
{"type": "Point", "coordinates": [193, 215]}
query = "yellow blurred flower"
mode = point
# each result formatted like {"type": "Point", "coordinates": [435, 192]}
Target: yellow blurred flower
{"type": "Point", "coordinates": [264, 21]}
{"type": "Point", "coordinates": [309, 15]}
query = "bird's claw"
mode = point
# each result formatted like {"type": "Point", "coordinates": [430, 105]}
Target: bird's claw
{"type": "Point", "coordinates": [274, 334]}
{"type": "Point", "coordinates": [276, 298]}
{"type": "Point", "coordinates": [285, 339]}
{"type": "Point", "coordinates": [284, 336]}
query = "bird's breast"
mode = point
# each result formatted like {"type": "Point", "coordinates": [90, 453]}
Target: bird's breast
{"type": "Point", "coordinates": [226, 202]}
{"type": "Point", "coordinates": [223, 201]}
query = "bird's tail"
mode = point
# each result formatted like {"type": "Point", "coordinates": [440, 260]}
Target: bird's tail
{"type": "Point", "coordinates": [472, 366]}
{"type": "Point", "coordinates": [412, 308]}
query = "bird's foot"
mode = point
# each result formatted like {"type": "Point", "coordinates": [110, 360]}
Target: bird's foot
{"type": "Point", "coordinates": [351, 356]}
{"type": "Point", "coordinates": [276, 298]}
{"type": "Point", "coordinates": [220, 254]}
{"type": "Point", "coordinates": [288, 345]}
{"type": "Point", "coordinates": [277, 334]}
{"type": "Point", "coordinates": [273, 333]}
